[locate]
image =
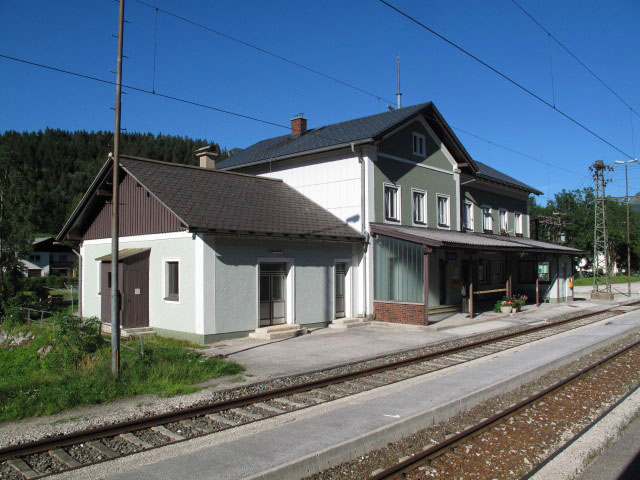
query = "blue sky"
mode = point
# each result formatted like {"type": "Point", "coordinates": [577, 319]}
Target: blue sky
{"type": "Point", "coordinates": [355, 41]}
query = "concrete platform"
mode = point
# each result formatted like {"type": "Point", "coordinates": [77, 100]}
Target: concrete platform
{"type": "Point", "coordinates": [297, 444]}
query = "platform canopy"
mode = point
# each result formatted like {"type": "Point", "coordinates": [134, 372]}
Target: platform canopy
{"type": "Point", "coordinates": [434, 238]}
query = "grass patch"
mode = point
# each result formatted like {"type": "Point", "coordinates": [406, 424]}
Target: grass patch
{"type": "Point", "coordinates": [33, 384]}
{"type": "Point", "coordinates": [587, 281]}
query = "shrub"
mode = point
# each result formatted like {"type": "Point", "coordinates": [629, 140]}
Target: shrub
{"type": "Point", "coordinates": [78, 337]}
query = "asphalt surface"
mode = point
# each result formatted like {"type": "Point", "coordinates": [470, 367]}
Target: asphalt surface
{"type": "Point", "coordinates": [621, 461]}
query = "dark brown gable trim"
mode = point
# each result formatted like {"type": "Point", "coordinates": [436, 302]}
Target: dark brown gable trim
{"type": "Point", "coordinates": [140, 214]}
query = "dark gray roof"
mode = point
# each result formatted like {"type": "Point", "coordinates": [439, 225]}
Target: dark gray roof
{"type": "Point", "coordinates": [227, 202]}
{"type": "Point", "coordinates": [359, 130]}
{"type": "Point", "coordinates": [483, 241]}
{"type": "Point", "coordinates": [488, 173]}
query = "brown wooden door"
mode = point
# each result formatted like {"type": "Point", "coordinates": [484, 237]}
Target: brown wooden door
{"type": "Point", "coordinates": [135, 291]}
{"type": "Point", "coordinates": [105, 291]}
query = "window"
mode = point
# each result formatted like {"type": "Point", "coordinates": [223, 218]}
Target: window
{"type": "Point", "coordinates": [503, 271]}
{"type": "Point", "coordinates": [418, 144]}
{"type": "Point", "coordinates": [467, 216]}
{"type": "Point", "coordinates": [504, 224]}
{"type": "Point", "coordinates": [487, 219]}
{"type": "Point", "coordinates": [443, 211]}
{"type": "Point", "coordinates": [398, 270]}
{"type": "Point", "coordinates": [172, 281]}
{"type": "Point", "coordinates": [391, 211]}
{"type": "Point", "coordinates": [34, 258]}
{"type": "Point", "coordinates": [484, 271]}
{"type": "Point", "coordinates": [419, 209]}
{"type": "Point", "coordinates": [543, 271]}
{"type": "Point", "coordinates": [518, 223]}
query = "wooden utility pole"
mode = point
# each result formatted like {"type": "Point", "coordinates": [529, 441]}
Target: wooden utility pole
{"type": "Point", "coordinates": [115, 284]}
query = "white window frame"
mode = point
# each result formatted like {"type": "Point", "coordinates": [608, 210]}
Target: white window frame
{"type": "Point", "coordinates": [397, 203]}
{"type": "Point", "coordinates": [443, 226]}
{"type": "Point", "coordinates": [165, 283]}
{"type": "Point", "coordinates": [470, 223]}
{"type": "Point", "coordinates": [490, 217]}
{"type": "Point", "coordinates": [424, 207]}
{"type": "Point", "coordinates": [517, 222]}
{"type": "Point", "coordinates": [504, 214]}
{"type": "Point", "coordinates": [421, 144]}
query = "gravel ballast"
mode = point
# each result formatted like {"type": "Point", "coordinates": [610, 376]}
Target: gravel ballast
{"type": "Point", "coordinates": [574, 414]}
{"type": "Point", "coordinates": [145, 406]}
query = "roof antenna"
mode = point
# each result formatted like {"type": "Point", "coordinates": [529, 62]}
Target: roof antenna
{"type": "Point", "coordinates": [399, 95]}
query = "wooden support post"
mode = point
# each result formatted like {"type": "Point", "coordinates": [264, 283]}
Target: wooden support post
{"type": "Point", "coordinates": [471, 299]}
{"type": "Point", "coordinates": [537, 291]}
{"type": "Point", "coordinates": [425, 271]}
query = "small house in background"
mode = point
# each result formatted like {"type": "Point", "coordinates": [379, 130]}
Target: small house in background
{"type": "Point", "coordinates": [48, 258]}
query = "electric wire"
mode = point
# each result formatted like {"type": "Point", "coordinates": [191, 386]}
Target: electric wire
{"type": "Point", "coordinates": [260, 49]}
{"type": "Point", "coordinates": [574, 56]}
{"type": "Point", "coordinates": [378, 97]}
{"type": "Point", "coordinates": [244, 116]}
{"type": "Point", "coordinates": [504, 76]}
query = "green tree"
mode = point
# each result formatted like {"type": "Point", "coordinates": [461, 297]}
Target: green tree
{"type": "Point", "coordinates": [16, 229]}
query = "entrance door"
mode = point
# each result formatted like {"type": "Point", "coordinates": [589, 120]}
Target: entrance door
{"type": "Point", "coordinates": [443, 282]}
{"type": "Point", "coordinates": [135, 291]}
{"type": "Point", "coordinates": [273, 288]}
{"type": "Point", "coordinates": [339, 287]}
{"type": "Point", "coordinates": [105, 291]}
{"type": "Point", "coordinates": [133, 282]}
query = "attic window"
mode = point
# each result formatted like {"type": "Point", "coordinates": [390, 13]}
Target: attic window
{"type": "Point", "coordinates": [418, 144]}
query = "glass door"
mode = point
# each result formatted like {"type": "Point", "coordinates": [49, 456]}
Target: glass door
{"type": "Point", "coordinates": [273, 292]}
{"type": "Point", "coordinates": [339, 287]}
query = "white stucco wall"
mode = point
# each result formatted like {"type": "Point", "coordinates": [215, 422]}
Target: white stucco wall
{"type": "Point", "coordinates": [180, 315]}
{"type": "Point", "coordinates": [311, 273]}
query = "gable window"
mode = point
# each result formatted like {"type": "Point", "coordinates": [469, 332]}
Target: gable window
{"type": "Point", "coordinates": [487, 220]}
{"type": "Point", "coordinates": [467, 216]}
{"type": "Point", "coordinates": [418, 144]}
{"type": "Point", "coordinates": [391, 209]}
{"type": "Point", "coordinates": [172, 281]}
{"type": "Point", "coordinates": [419, 210]}
{"type": "Point", "coordinates": [504, 225]}
{"type": "Point", "coordinates": [443, 211]}
{"type": "Point", "coordinates": [518, 223]}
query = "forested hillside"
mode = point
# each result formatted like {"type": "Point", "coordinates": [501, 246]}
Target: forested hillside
{"type": "Point", "coordinates": [59, 165]}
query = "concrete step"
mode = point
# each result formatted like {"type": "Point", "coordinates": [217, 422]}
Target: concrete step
{"type": "Point", "coordinates": [437, 309]}
{"type": "Point", "coordinates": [348, 322]}
{"type": "Point", "coordinates": [277, 332]}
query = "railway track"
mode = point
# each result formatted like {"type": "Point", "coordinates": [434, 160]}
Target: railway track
{"type": "Point", "coordinates": [496, 438]}
{"type": "Point", "coordinates": [79, 449]}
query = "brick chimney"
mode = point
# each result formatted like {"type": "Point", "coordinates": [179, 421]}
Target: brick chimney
{"type": "Point", "coordinates": [298, 125]}
{"type": "Point", "coordinates": [207, 156]}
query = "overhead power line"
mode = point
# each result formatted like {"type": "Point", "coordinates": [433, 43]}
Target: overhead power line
{"type": "Point", "coordinates": [260, 49]}
{"type": "Point", "coordinates": [504, 76]}
{"type": "Point", "coordinates": [241, 115]}
{"type": "Point", "coordinates": [566, 49]}
{"type": "Point", "coordinates": [313, 70]}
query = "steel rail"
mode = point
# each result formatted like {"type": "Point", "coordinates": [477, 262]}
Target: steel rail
{"type": "Point", "coordinates": [73, 438]}
{"type": "Point", "coordinates": [443, 447]}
